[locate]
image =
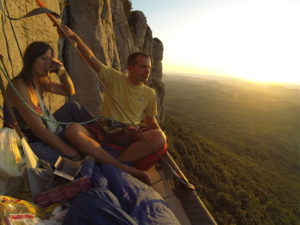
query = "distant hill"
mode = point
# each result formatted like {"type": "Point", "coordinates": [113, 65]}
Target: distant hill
{"type": "Point", "coordinates": [178, 76]}
{"type": "Point", "coordinates": [239, 143]}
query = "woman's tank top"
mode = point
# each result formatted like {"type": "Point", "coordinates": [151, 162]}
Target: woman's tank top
{"type": "Point", "coordinates": [41, 109]}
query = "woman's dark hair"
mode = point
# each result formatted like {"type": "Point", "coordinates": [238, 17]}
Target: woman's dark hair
{"type": "Point", "coordinates": [32, 52]}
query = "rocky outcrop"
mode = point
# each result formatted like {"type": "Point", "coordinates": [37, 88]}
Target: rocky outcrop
{"type": "Point", "coordinates": [157, 57]}
{"type": "Point", "coordinates": [156, 74]}
{"type": "Point", "coordinates": [92, 21]}
{"type": "Point", "coordinates": [124, 39]}
{"type": "Point", "coordinates": [138, 26]}
{"type": "Point", "coordinates": [111, 33]}
{"type": "Point", "coordinates": [148, 42]}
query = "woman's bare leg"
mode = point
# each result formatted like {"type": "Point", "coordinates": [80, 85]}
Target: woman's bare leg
{"type": "Point", "coordinates": [82, 140]}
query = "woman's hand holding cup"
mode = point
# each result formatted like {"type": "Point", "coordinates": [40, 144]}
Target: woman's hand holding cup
{"type": "Point", "coordinates": [56, 66]}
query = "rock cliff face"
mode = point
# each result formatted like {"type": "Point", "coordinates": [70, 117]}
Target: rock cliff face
{"type": "Point", "coordinates": [92, 21]}
{"type": "Point", "coordinates": [104, 27]}
{"type": "Point", "coordinates": [123, 35]}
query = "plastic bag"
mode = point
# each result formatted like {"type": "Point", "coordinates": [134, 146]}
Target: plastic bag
{"type": "Point", "coordinates": [58, 214]}
{"type": "Point", "coordinates": [12, 166]}
{"type": "Point", "coordinates": [18, 212]}
{"type": "Point", "coordinates": [11, 162]}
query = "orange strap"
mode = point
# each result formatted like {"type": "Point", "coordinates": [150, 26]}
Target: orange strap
{"type": "Point", "coordinates": [51, 17]}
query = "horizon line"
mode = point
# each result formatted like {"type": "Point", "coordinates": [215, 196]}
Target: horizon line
{"type": "Point", "coordinates": [228, 77]}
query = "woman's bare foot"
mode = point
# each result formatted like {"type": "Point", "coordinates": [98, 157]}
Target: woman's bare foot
{"type": "Point", "coordinates": [141, 175]}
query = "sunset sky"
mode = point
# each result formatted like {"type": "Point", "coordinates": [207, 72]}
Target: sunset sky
{"type": "Point", "coordinates": [253, 39]}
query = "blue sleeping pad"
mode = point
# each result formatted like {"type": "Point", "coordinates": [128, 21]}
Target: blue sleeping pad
{"type": "Point", "coordinates": [118, 198]}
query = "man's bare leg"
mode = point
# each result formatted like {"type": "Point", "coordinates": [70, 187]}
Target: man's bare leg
{"type": "Point", "coordinates": [142, 148]}
{"type": "Point", "coordinates": [84, 142]}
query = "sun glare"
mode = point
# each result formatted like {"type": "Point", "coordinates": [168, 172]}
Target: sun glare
{"type": "Point", "coordinates": [252, 40]}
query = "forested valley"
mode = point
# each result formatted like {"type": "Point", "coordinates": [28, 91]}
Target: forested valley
{"type": "Point", "coordinates": [239, 144]}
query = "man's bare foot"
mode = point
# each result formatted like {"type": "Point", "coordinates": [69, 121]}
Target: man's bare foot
{"type": "Point", "coordinates": [141, 175]}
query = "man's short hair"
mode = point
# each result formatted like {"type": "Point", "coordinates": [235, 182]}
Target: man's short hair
{"type": "Point", "coordinates": [131, 60]}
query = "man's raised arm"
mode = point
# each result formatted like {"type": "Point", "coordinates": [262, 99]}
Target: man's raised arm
{"type": "Point", "coordinates": [85, 51]}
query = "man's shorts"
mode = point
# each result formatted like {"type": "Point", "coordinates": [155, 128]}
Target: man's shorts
{"type": "Point", "coordinates": [121, 138]}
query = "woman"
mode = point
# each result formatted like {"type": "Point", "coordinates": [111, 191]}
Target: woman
{"type": "Point", "coordinates": [32, 82]}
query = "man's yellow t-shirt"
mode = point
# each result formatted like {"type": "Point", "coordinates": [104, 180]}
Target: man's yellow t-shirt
{"type": "Point", "coordinates": [137, 100]}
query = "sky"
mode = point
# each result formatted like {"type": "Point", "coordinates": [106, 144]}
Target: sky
{"type": "Point", "coordinates": [253, 39]}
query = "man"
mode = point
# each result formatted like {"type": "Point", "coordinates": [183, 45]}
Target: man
{"type": "Point", "coordinates": [137, 99]}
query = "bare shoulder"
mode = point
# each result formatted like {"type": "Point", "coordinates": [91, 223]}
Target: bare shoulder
{"type": "Point", "coordinates": [21, 87]}
{"type": "Point", "coordinates": [18, 83]}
